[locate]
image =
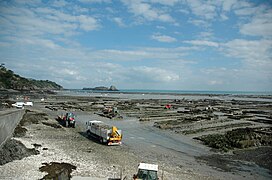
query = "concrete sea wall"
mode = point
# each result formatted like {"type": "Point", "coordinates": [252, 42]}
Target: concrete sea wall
{"type": "Point", "coordinates": [8, 121]}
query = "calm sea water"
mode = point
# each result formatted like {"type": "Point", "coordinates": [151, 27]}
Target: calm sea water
{"type": "Point", "coordinates": [144, 91]}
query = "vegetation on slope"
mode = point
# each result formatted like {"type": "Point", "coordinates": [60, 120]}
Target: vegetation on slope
{"type": "Point", "coordinates": [10, 80]}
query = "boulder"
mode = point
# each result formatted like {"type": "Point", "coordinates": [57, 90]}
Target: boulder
{"type": "Point", "coordinates": [113, 88]}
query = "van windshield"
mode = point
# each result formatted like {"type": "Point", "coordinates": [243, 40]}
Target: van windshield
{"type": "Point", "coordinates": [147, 174]}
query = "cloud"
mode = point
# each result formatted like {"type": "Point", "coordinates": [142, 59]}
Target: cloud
{"type": "Point", "coordinates": [65, 41]}
{"type": "Point", "coordinates": [163, 38]}
{"type": "Point", "coordinates": [60, 3]}
{"type": "Point", "coordinates": [202, 43]}
{"type": "Point", "coordinates": [257, 28]}
{"type": "Point", "coordinates": [205, 35]}
{"type": "Point", "coordinates": [256, 20]}
{"type": "Point", "coordinates": [203, 9]}
{"type": "Point", "coordinates": [153, 74]}
{"type": "Point", "coordinates": [234, 79]}
{"type": "Point", "coordinates": [76, 67]}
{"type": "Point", "coordinates": [95, 1]}
{"type": "Point", "coordinates": [165, 2]}
{"type": "Point", "coordinates": [223, 16]}
{"type": "Point", "coordinates": [31, 20]}
{"type": "Point", "coordinates": [141, 54]}
{"type": "Point", "coordinates": [119, 21]}
{"type": "Point", "coordinates": [254, 53]}
{"type": "Point", "coordinates": [246, 10]}
{"type": "Point", "coordinates": [160, 27]}
{"type": "Point", "coordinates": [215, 82]}
{"type": "Point", "coordinates": [146, 11]}
{"type": "Point", "coordinates": [199, 22]}
{"type": "Point", "coordinates": [260, 25]}
{"type": "Point", "coordinates": [87, 23]}
{"type": "Point", "coordinates": [227, 5]}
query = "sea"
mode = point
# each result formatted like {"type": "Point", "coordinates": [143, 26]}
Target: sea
{"type": "Point", "coordinates": [178, 92]}
{"type": "Point", "coordinates": [171, 94]}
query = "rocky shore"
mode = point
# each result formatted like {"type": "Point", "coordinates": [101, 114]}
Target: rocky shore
{"type": "Point", "coordinates": [237, 130]}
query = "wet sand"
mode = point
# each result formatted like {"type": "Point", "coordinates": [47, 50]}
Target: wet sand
{"type": "Point", "coordinates": [152, 134]}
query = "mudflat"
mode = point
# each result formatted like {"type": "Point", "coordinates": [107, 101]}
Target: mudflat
{"type": "Point", "coordinates": [188, 136]}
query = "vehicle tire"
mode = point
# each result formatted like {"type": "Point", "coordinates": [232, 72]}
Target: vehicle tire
{"type": "Point", "coordinates": [101, 140]}
{"type": "Point", "coordinates": [89, 134]}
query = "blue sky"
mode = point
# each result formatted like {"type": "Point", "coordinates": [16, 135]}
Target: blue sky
{"type": "Point", "coordinates": [140, 44]}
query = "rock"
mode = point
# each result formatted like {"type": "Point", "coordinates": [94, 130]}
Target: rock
{"type": "Point", "coordinates": [113, 88]}
{"type": "Point", "coordinates": [14, 150]}
{"type": "Point", "coordinates": [102, 88]}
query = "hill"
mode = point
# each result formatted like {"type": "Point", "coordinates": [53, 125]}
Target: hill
{"type": "Point", "coordinates": [10, 80]}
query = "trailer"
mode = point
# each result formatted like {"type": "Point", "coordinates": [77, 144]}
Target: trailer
{"type": "Point", "coordinates": [106, 134]}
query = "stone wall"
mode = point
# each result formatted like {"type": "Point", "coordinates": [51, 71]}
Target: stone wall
{"type": "Point", "coordinates": [8, 121]}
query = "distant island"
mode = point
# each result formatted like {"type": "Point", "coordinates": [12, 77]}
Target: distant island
{"type": "Point", "coordinates": [102, 88]}
{"type": "Point", "coordinates": [10, 80]}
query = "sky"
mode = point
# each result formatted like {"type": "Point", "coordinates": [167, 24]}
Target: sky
{"type": "Point", "coordinates": [217, 45]}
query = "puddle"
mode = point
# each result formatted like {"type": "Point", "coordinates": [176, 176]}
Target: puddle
{"type": "Point", "coordinates": [57, 170]}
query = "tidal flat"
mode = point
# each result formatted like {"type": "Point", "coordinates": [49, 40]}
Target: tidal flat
{"type": "Point", "coordinates": [198, 137]}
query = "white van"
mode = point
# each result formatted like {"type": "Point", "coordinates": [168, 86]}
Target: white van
{"type": "Point", "coordinates": [19, 105]}
{"type": "Point", "coordinates": [28, 104]}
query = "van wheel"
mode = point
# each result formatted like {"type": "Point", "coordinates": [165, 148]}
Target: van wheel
{"type": "Point", "coordinates": [88, 134]}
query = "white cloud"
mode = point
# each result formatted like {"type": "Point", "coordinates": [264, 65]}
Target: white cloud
{"type": "Point", "coordinates": [235, 79]}
{"type": "Point", "coordinates": [119, 21]}
{"type": "Point", "coordinates": [255, 20]}
{"type": "Point", "coordinates": [199, 22]}
{"type": "Point", "coordinates": [260, 25]}
{"type": "Point", "coordinates": [227, 5]}
{"type": "Point", "coordinates": [146, 11]}
{"type": "Point", "coordinates": [206, 35]}
{"type": "Point", "coordinates": [202, 43]}
{"type": "Point", "coordinates": [29, 20]}
{"type": "Point", "coordinates": [249, 10]}
{"type": "Point", "coordinates": [165, 2]}
{"type": "Point", "coordinates": [153, 74]}
{"type": "Point", "coordinates": [95, 1]}
{"type": "Point", "coordinates": [223, 16]}
{"type": "Point", "coordinates": [139, 54]}
{"type": "Point", "coordinates": [256, 54]}
{"type": "Point", "coordinates": [203, 9]}
{"type": "Point", "coordinates": [257, 28]}
{"type": "Point", "coordinates": [215, 82]}
{"type": "Point", "coordinates": [163, 38]}
{"type": "Point", "coordinates": [184, 11]}
{"type": "Point", "coordinates": [60, 3]}
{"type": "Point", "coordinates": [160, 27]}
{"type": "Point", "coordinates": [87, 23]}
